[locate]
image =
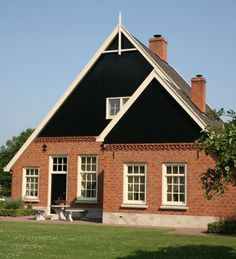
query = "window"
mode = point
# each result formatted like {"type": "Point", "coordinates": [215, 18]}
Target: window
{"type": "Point", "coordinates": [87, 178]}
{"type": "Point", "coordinates": [135, 183]}
{"type": "Point", "coordinates": [59, 164]}
{"type": "Point", "coordinates": [31, 183]}
{"type": "Point", "coordinates": [174, 184]}
{"type": "Point", "coordinates": [114, 105]}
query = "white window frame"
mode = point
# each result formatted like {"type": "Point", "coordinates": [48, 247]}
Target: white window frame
{"type": "Point", "coordinates": [29, 198]}
{"type": "Point", "coordinates": [56, 171]}
{"type": "Point", "coordinates": [80, 172]}
{"type": "Point", "coordinates": [177, 204]}
{"type": "Point", "coordinates": [108, 115]}
{"type": "Point", "coordinates": [125, 189]}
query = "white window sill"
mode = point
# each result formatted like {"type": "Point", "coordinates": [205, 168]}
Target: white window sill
{"type": "Point", "coordinates": [87, 201]}
{"type": "Point", "coordinates": [134, 206]}
{"type": "Point", "coordinates": [174, 207]}
{"type": "Point", "coordinates": [30, 200]}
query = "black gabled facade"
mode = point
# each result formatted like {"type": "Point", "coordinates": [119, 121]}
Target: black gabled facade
{"type": "Point", "coordinates": [83, 112]}
{"type": "Point", "coordinates": [155, 117]}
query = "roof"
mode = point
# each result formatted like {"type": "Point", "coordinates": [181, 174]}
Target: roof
{"type": "Point", "coordinates": [177, 87]}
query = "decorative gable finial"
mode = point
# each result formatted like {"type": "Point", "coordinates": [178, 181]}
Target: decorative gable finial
{"type": "Point", "coordinates": [120, 19]}
{"type": "Point", "coordinates": [119, 33]}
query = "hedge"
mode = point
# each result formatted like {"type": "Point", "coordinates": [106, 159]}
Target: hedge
{"type": "Point", "coordinates": [222, 227]}
{"type": "Point", "coordinates": [16, 212]}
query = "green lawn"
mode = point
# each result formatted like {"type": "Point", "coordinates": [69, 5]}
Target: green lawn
{"type": "Point", "coordinates": [43, 240]}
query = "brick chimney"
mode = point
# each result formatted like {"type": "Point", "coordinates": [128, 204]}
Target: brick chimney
{"type": "Point", "coordinates": [198, 92]}
{"type": "Point", "coordinates": [158, 45]}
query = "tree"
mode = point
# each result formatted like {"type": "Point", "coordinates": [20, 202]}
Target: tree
{"type": "Point", "coordinates": [6, 154]}
{"type": "Point", "coordinates": [220, 142]}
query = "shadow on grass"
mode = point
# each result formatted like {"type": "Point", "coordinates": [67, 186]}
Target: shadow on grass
{"type": "Point", "coordinates": [188, 251]}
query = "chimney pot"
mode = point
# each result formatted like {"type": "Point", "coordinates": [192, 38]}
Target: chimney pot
{"type": "Point", "coordinates": [198, 92]}
{"type": "Point", "coordinates": [158, 45]}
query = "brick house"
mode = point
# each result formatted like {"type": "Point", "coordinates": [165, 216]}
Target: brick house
{"type": "Point", "coordinates": [120, 142]}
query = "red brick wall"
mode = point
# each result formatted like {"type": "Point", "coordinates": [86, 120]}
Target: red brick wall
{"type": "Point", "coordinates": [198, 205]}
{"type": "Point", "coordinates": [111, 162]}
{"type": "Point", "coordinates": [34, 156]}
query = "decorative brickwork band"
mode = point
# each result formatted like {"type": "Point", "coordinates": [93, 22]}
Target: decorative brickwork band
{"type": "Point", "coordinates": [164, 146]}
{"type": "Point", "coordinates": [67, 139]}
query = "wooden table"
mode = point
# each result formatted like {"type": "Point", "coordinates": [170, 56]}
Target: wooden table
{"type": "Point", "coordinates": [59, 210]}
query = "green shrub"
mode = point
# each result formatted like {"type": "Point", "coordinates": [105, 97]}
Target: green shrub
{"type": "Point", "coordinates": [16, 212]}
{"type": "Point", "coordinates": [2, 203]}
{"type": "Point", "coordinates": [222, 227]}
{"type": "Point", "coordinates": [14, 204]}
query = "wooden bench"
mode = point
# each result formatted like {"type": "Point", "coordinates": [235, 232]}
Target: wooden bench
{"type": "Point", "coordinates": [39, 213]}
{"type": "Point", "coordinates": [69, 213]}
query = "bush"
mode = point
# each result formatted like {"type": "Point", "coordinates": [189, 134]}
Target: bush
{"type": "Point", "coordinates": [15, 208]}
{"type": "Point", "coordinates": [16, 212]}
{"type": "Point", "coordinates": [2, 203]}
{"type": "Point", "coordinates": [14, 204]}
{"type": "Point", "coordinates": [222, 227]}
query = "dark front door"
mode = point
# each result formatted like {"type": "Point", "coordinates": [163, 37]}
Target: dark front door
{"type": "Point", "coordinates": [58, 190]}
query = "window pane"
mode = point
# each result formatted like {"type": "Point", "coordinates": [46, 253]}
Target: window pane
{"type": "Point", "coordinates": [175, 188]}
{"type": "Point", "coordinates": [64, 168]}
{"type": "Point", "coordinates": [88, 160]}
{"type": "Point", "coordinates": [175, 169]}
{"type": "Point", "coordinates": [169, 188]}
{"type": "Point", "coordinates": [175, 179]}
{"type": "Point", "coordinates": [60, 160]}
{"type": "Point", "coordinates": [114, 106]}
{"type": "Point", "coordinates": [136, 188]}
{"type": "Point", "coordinates": [142, 188]}
{"type": "Point", "coordinates": [168, 169]}
{"type": "Point", "coordinates": [142, 169]}
{"type": "Point", "coordinates": [94, 160]}
{"type": "Point", "coordinates": [136, 169]}
{"type": "Point", "coordinates": [175, 196]}
{"type": "Point", "coordinates": [54, 168]}
{"type": "Point", "coordinates": [125, 100]}
{"type": "Point", "coordinates": [136, 196]}
{"type": "Point", "coordinates": [169, 197]}
{"type": "Point", "coordinates": [83, 160]}
{"type": "Point", "coordinates": [182, 188]}
{"type": "Point", "coordinates": [182, 197]}
{"type": "Point", "coordinates": [181, 180]}
{"type": "Point", "coordinates": [181, 169]}
{"type": "Point", "coordinates": [130, 196]}
{"type": "Point", "coordinates": [59, 168]}
{"type": "Point", "coordinates": [142, 179]}
{"type": "Point", "coordinates": [169, 179]}
{"type": "Point", "coordinates": [130, 169]}
{"type": "Point", "coordinates": [130, 179]}
{"type": "Point", "coordinates": [142, 196]}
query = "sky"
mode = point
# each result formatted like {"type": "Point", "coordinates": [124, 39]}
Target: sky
{"type": "Point", "coordinates": [44, 45]}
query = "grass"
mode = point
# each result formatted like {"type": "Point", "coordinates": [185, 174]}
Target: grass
{"type": "Point", "coordinates": [43, 240]}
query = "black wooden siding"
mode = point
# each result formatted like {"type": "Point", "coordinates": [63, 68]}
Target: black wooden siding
{"type": "Point", "coordinates": [155, 117]}
{"type": "Point", "coordinates": [84, 111]}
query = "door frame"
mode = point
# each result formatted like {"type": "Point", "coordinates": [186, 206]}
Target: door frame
{"type": "Point", "coordinates": [50, 173]}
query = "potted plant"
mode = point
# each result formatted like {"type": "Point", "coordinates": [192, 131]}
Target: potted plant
{"type": "Point", "coordinates": [60, 200]}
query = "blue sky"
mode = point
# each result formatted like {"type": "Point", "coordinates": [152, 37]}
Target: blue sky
{"type": "Point", "coordinates": [44, 44]}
